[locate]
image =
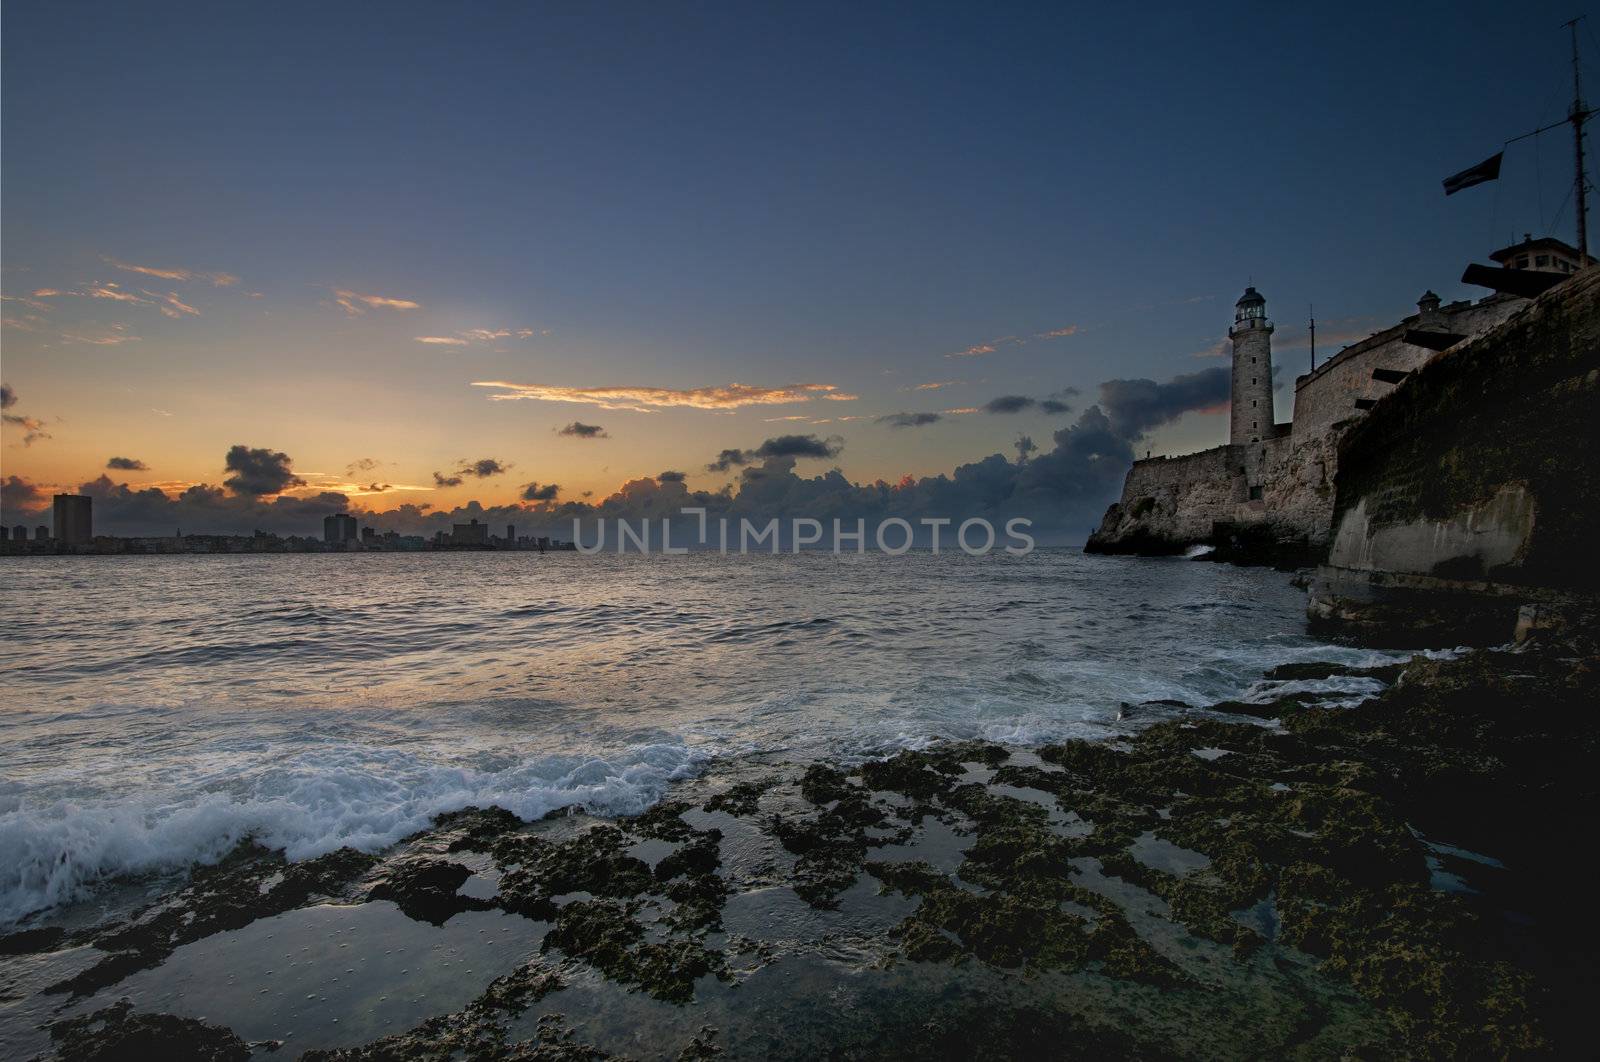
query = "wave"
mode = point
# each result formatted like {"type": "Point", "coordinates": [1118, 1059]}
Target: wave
{"type": "Point", "coordinates": [358, 796]}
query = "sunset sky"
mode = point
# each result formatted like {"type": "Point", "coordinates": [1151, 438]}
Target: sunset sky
{"type": "Point", "coordinates": [397, 241]}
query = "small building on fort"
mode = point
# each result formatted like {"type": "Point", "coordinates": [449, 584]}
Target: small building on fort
{"type": "Point", "coordinates": [1268, 492]}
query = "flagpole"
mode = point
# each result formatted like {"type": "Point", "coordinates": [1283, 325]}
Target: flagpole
{"type": "Point", "coordinates": [1577, 116]}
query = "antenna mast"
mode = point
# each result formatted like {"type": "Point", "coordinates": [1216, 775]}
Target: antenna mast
{"type": "Point", "coordinates": [1313, 311]}
{"type": "Point", "coordinates": [1577, 116]}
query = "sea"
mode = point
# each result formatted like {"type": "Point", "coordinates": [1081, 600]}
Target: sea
{"type": "Point", "coordinates": [157, 710]}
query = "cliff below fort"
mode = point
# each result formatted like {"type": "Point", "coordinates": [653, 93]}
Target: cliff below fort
{"type": "Point", "coordinates": [1169, 504]}
{"type": "Point", "coordinates": [1466, 501]}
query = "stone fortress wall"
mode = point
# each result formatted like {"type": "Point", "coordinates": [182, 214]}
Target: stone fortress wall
{"type": "Point", "coordinates": [1274, 499]}
{"type": "Point", "coordinates": [1466, 503]}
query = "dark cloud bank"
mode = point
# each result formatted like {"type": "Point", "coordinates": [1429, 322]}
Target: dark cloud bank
{"type": "Point", "coordinates": [1063, 489]}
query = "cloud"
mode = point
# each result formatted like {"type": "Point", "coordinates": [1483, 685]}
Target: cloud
{"type": "Point", "coordinates": [1133, 407]}
{"type": "Point", "coordinates": [934, 385]}
{"type": "Point", "coordinates": [18, 499]}
{"type": "Point", "coordinates": [783, 447]}
{"type": "Point", "coordinates": [172, 306]}
{"type": "Point", "coordinates": [1054, 406]}
{"type": "Point", "coordinates": [482, 468]}
{"type": "Point", "coordinates": [1220, 349]}
{"type": "Point", "coordinates": [112, 291]}
{"type": "Point", "coordinates": [32, 427]}
{"type": "Point", "coordinates": [579, 430]}
{"type": "Point", "coordinates": [360, 465]}
{"type": "Point", "coordinates": [117, 334]}
{"type": "Point", "coordinates": [259, 471]}
{"type": "Point", "coordinates": [127, 464]}
{"type": "Point", "coordinates": [1009, 404]}
{"type": "Point", "coordinates": [992, 345]}
{"type": "Point", "coordinates": [1024, 446]}
{"type": "Point", "coordinates": [221, 280]}
{"type": "Point", "coordinates": [909, 420]}
{"type": "Point", "coordinates": [534, 492]}
{"type": "Point", "coordinates": [650, 399]}
{"type": "Point", "coordinates": [28, 301]}
{"type": "Point", "coordinates": [169, 303]}
{"type": "Point", "coordinates": [447, 341]}
{"type": "Point", "coordinates": [671, 477]}
{"type": "Point", "coordinates": [355, 304]}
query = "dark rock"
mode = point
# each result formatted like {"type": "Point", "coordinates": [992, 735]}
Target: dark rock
{"type": "Point", "coordinates": [425, 889]}
{"type": "Point", "coordinates": [28, 941]}
{"type": "Point", "coordinates": [115, 1034]}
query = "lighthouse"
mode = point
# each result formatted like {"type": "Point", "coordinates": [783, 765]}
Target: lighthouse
{"type": "Point", "coordinates": [1252, 417]}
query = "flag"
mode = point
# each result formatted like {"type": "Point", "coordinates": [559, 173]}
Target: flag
{"type": "Point", "coordinates": [1487, 170]}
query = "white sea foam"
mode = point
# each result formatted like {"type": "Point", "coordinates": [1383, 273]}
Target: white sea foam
{"type": "Point", "coordinates": [316, 802]}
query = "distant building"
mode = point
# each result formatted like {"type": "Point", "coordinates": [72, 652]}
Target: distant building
{"type": "Point", "coordinates": [473, 534]}
{"type": "Point", "coordinates": [74, 519]}
{"type": "Point", "coordinates": [19, 533]}
{"type": "Point", "coordinates": [338, 528]}
{"type": "Point", "coordinates": [41, 534]}
{"type": "Point", "coordinates": [511, 534]}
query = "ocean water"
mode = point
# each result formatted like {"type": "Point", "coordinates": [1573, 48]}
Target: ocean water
{"type": "Point", "coordinates": [156, 710]}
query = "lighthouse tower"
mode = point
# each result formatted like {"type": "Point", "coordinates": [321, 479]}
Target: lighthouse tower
{"type": "Point", "coordinates": [1251, 333]}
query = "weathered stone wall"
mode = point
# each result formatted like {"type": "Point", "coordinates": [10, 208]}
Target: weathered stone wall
{"type": "Point", "coordinates": [1483, 469]}
{"type": "Point", "coordinates": [1169, 503]}
{"type": "Point", "coordinates": [1328, 395]}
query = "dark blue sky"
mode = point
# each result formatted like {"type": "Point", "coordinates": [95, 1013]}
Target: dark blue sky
{"type": "Point", "coordinates": [681, 196]}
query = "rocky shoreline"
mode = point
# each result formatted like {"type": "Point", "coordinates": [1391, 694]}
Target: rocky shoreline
{"type": "Point", "coordinates": [1295, 879]}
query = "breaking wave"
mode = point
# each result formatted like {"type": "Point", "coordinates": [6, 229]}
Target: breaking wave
{"type": "Point", "coordinates": [362, 797]}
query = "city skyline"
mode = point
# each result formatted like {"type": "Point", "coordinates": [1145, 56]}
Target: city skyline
{"type": "Point", "coordinates": [898, 251]}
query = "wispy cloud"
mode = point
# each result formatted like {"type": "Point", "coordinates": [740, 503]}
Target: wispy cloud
{"type": "Point", "coordinates": [168, 303]}
{"type": "Point", "coordinates": [172, 306]}
{"type": "Point", "coordinates": [480, 335]}
{"type": "Point", "coordinates": [355, 304]}
{"type": "Point", "coordinates": [117, 334]}
{"type": "Point", "coordinates": [112, 291]}
{"type": "Point", "coordinates": [32, 427]}
{"type": "Point", "coordinates": [651, 399]}
{"type": "Point", "coordinates": [28, 301]}
{"type": "Point", "coordinates": [935, 385]}
{"type": "Point", "coordinates": [973, 351]}
{"type": "Point", "coordinates": [909, 420]}
{"type": "Point", "coordinates": [993, 345]}
{"type": "Point", "coordinates": [221, 280]}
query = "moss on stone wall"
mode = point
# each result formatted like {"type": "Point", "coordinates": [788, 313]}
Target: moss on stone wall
{"type": "Point", "coordinates": [1516, 407]}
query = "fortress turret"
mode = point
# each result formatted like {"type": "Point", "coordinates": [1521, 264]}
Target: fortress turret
{"type": "Point", "coordinates": [1252, 416]}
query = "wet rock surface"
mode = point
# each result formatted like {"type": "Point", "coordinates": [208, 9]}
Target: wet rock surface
{"type": "Point", "coordinates": [1386, 880]}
